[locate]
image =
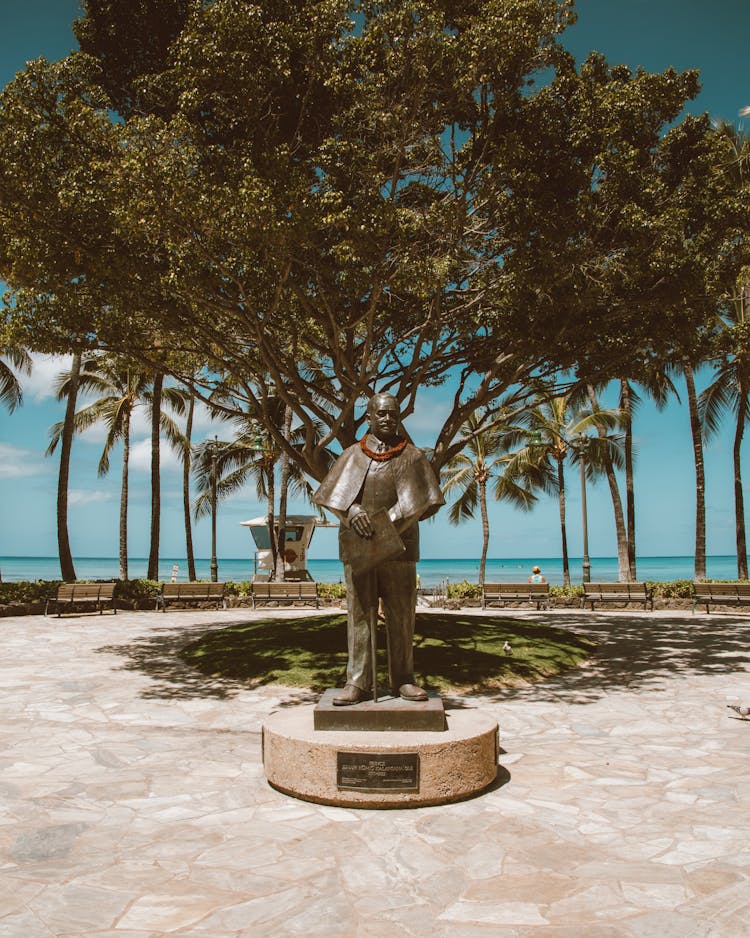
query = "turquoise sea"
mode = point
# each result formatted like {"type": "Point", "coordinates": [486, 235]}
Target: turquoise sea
{"type": "Point", "coordinates": [431, 572]}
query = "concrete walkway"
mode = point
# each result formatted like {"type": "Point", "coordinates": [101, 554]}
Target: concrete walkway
{"type": "Point", "coordinates": [134, 802]}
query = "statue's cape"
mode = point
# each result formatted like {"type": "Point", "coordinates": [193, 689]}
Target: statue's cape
{"type": "Point", "coordinates": [419, 494]}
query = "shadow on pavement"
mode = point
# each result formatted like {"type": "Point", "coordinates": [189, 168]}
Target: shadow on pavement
{"type": "Point", "coordinates": [633, 651]}
{"type": "Point", "coordinates": [641, 651]}
{"type": "Point", "coordinates": [156, 654]}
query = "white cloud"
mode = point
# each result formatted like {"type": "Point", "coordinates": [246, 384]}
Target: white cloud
{"type": "Point", "coordinates": [140, 456]}
{"type": "Point", "coordinates": [86, 497]}
{"type": "Point", "coordinates": [40, 384]}
{"type": "Point", "coordinates": [16, 462]}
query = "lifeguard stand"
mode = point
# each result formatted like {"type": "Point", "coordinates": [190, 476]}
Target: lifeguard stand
{"type": "Point", "coordinates": [299, 530]}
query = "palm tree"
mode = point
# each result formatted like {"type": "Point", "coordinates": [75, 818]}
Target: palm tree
{"type": "Point", "coordinates": [284, 478]}
{"type": "Point", "coordinates": [485, 458]}
{"type": "Point", "coordinates": [657, 386]}
{"type": "Point", "coordinates": [186, 453]}
{"type": "Point", "coordinates": [157, 386]}
{"type": "Point", "coordinates": [18, 359]}
{"type": "Point", "coordinates": [66, 388]}
{"type": "Point", "coordinates": [121, 386]}
{"type": "Point", "coordinates": [686, 369]}
{"type": "Point", "coordinates": [730, 389]}
{"type": "Point", "coordinates": [556, 434]}
{"type": "Point", "coordinates": [729, 392]}
{"type": "Point", "coordinates": [584, 454]}
{"type": "Point", "coordinates": [250, 455]}
{"type": "Point", "coordinates": [10, 389]}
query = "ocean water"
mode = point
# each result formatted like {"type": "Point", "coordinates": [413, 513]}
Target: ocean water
{"type": "Point", "coordinates": [432, 572]}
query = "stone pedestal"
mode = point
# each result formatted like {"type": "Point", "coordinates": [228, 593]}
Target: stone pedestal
{"type": "Point", "coordinates": [380, 768]}
{"type": "Point", "coordinates": [388, 713]}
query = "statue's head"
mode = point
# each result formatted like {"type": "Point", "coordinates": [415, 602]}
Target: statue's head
{"type": "Point", "coordinates": [384, 417]}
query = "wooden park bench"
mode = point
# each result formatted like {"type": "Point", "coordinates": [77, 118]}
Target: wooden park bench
{"type": "Point", "coordinates": [71, 594]}
{"type": "Point", "coordinates": [285, 593]}
{"type": "Point", "coordinates": [191, 593]}
{"type": "Point", "coordinates": [722, 594]}
{"type": "Point", "coordinates": [617, 593]}
{"type": "Point", "coordinates": [495, 594]}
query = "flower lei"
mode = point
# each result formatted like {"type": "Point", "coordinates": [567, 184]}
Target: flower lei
{"type": "Point", "coordinates": [385, 455]}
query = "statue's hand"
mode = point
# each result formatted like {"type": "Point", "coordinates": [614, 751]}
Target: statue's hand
{"type": "Point", "coordinates": [360, 524]}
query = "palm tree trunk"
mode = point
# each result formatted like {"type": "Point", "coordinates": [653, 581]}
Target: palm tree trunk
{"type": "Point", "coordinates": [739, 500]}
{"type": "Point", "coordinates": [67, 569]}
{"type": "Point", "coordinates": [623, 563]}
{"type": "Point", "coordinates": [124, 497]}
{"type": "Point", "coordinates": [283, 495]}
{"type": "Point", "coordinates": [271, 504]}
{"type": "Point", "coordinates": [153, 557]}
{"type": "Point", "coordinates": [485, 530]}
{"type": "Point", "coordinates": [700, 475]}
{"type": "Point", "coordinates": [186, 490]}
{"type": "Point", "coordinates": [625, 405]}
{"type": "Point", "coordinates": [563, 528]}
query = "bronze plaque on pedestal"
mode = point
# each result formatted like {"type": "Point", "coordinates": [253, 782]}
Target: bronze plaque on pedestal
{"type": "Point", "coordinates": [377, 771]}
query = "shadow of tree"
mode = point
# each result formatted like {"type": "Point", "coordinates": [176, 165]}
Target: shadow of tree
{"type": "Point", "coordinates": [310, 653]}
{"type": "Point", "coordinates": [632, 650]}
{"type": "Point", "coordinates": [157, 655]}
{"type": "Point", "coordinates": [641, 652]}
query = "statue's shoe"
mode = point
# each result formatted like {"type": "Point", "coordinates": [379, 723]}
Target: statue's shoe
{"type": "Point", "coordinates": [351, 694]}
{"type": "Point", "coordinates": [412, 692]}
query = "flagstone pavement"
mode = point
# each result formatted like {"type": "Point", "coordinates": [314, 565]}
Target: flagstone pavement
{"type": "Point", "coordinates": [134, 802]}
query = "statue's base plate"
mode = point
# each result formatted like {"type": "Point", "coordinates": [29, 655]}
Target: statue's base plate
{"type": "Point", "coordinates": [380, 769]}
{"type": "Point", "coordinates": [388, 714]}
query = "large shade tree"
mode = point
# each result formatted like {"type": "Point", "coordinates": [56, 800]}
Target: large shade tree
{"type": "Point", "coordinates": [326, 199]}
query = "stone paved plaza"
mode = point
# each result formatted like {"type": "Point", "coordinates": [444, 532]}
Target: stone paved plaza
{"type": "Point", "coordinates": [134, 802]}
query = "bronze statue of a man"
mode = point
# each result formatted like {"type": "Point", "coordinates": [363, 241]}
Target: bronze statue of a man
{"type": "Point", "coordinates": [377, 485]}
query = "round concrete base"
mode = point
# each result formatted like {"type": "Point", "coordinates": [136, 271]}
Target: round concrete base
{"type": "Point", "coordinates": [380, 769]}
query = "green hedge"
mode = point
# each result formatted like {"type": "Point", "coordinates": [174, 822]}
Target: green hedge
{"type": "Point", "coordinates": [140, 592]}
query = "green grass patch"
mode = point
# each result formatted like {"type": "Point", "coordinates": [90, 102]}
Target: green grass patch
{"type": "Point", "coordinates": [452, 653]}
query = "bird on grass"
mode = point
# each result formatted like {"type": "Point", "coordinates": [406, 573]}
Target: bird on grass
{"type": "Point", "coordinates": [741, 710]}
{"type": "Point", "coordinates": [507, 648]}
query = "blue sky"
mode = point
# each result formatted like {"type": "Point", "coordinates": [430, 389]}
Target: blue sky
{"type": "Point", "coordinates": [654, 33]}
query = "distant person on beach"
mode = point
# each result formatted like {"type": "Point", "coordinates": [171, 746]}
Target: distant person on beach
{"type": "Point", "coordinates": [536, 576]}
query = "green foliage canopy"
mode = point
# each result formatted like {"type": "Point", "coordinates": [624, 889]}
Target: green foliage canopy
{"type": "Point", "coordinates": [327, 197]}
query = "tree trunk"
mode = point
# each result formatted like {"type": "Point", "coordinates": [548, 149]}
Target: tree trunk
{"type": "Point", "coordinates": [739, 500]}
{"type": "Point", "coordinates": [271, 504]}
{"type": "Point", "coordinates": [623, 564]}
{"type": "Point", "coordinates": [67, 569]}
{"type": "Point", "coordinates": [700, 476]}
{"type": "Point", "coordinates": [153, 557]}
{"type": "Point", "coordinates": [283, 495]}
{"type": "Point", "coordinates": [186, 490]}
{"type": "Point", "coordinates": [629, 481]}
{"type": "Point", "coordinates": [563, 528]}
{"type": "Point", "coordinates": [485, 530]}
{"type": "Point", "coordinates": [124, 497]}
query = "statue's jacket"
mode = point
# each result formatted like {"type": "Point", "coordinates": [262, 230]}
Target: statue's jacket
{"type": "Point", "coordinates": [417, 490]}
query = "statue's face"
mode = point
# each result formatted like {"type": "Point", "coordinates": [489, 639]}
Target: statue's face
{"type": "Point", "coordinates": [384, 417]}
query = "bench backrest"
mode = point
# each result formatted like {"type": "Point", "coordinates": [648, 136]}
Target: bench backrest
{"type": "Point", "coordinates": [193, 590]}
{"type": "Point", "coordinates": [538, 589]}
{"type": "Point", "coordinates": [73, 591]}
{"type": "Point", "coordinates": [635, 588]}
{"type": "Point", "coordinates": [522, 589]}
{"type": "Point", "coordinates": [303, 589]}
{"type": "Point", "coordinates": [722, 589]}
